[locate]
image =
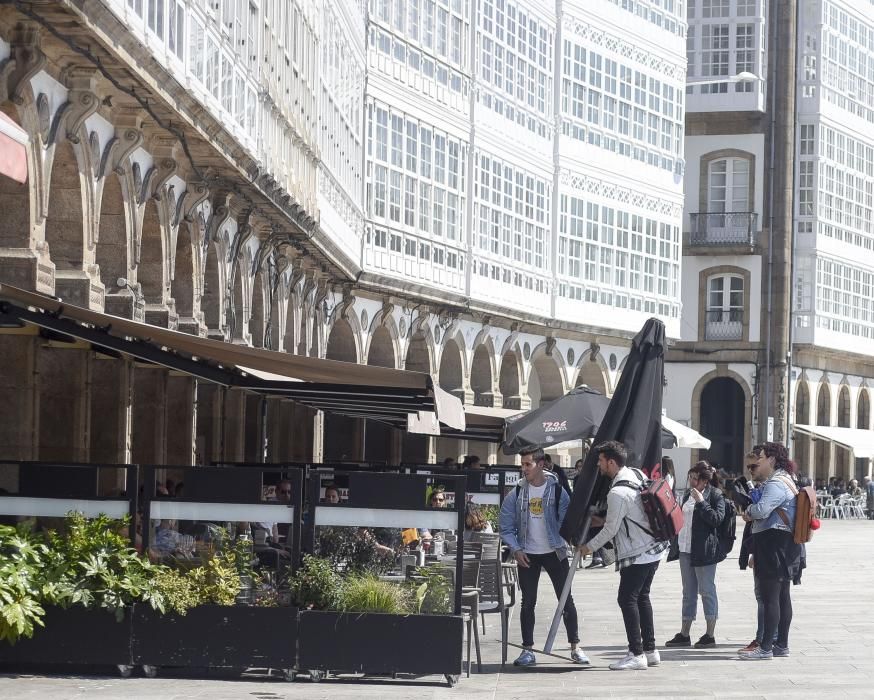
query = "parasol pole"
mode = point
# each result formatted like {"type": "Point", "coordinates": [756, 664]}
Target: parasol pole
{"type": "Point", "coordinates": [566, 591]}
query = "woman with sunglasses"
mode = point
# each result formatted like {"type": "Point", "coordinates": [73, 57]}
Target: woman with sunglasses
{"type": "Point", "coordinates": [777, 559]}
{"type": "Point", "coordinates": [697, 548]}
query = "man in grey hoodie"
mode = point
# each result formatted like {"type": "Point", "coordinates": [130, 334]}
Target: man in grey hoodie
{"type": "Point", "coordinates": [638, 555]}
{"type": "Point", "coordinates": [531, 516]}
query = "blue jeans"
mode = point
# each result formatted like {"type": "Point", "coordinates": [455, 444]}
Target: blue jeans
{"type": "Point", "coordinates": [698, 580]}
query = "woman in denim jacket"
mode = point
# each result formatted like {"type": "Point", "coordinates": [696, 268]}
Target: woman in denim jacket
{"type": "Point", "coordinates": [777, 560]}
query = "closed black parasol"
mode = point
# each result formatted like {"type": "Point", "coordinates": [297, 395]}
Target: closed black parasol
{"type": "Point", "coordinates": [574, 416]}
{"type": "Point", "coordinates": [633, 417]}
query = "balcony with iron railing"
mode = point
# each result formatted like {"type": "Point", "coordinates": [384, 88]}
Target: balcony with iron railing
{"type": "Point", "coordinates": [720, 324]}
{"type": "Point", "coordinates": [731, 228]}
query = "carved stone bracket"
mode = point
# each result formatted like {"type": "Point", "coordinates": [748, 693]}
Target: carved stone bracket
{"type": "Point", "coordinates": [26, 59]}
{"type": "Point", "coordinates": [196, 194]}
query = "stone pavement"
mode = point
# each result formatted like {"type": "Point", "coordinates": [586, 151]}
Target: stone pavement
{"type": "Point", "coordinates": [832, 645]}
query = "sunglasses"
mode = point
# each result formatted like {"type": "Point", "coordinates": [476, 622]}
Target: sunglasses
{"type": "Point", "coordinates": [285, 491]}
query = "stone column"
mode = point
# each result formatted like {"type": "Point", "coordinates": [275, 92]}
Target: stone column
{"type": "Point", "coordinates": [111, 393]}
{"type": "Point", "coordinates": [234, 425]}
{"type": "Point", "coordinates": [278, 430]}
{"type": "Point", "coordinates": [181, 419]}
{"type": "Point", "coordinates": [149, 431]}
{"type": "Point", "coordinates": [254, 429]}
{"type": "Point", "coordinates": [63, 377]}
{"type": "Point", "coordinates": [19, 409]}
{"type": "Point", "coordinates": [318, 437]}
{"type": "Point", "coordinates": [208, 432]}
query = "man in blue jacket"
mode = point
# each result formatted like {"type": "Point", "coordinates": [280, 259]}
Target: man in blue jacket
{"type": "Point", "coordinates": [531, 516]}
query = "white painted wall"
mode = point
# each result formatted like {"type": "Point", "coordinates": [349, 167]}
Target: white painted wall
{"type": "Point", "coordinates": [691, 270]}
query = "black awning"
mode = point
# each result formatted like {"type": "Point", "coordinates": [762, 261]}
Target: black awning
{"type": "Point", "coordinates": [346, 388]}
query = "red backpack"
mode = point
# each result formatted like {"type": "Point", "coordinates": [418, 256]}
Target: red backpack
{"type": "Point", "coordinates": [662, 510]}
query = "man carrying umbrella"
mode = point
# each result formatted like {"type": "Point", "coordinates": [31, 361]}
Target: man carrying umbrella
{"type": "Point", "coordinates": [531, 516]}
{"type": "Point", "coordinates": [637, 555]}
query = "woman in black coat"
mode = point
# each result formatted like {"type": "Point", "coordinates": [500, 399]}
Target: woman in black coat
{"type": "Point", "coordinates": [697, 547]}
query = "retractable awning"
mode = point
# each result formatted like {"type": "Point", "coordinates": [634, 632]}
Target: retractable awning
{"type": "Point", "coordinates": [13, 155]}
{"type": "Point", "coordinates": [860, 441]}
{"type": "Point", "coordinates": [360, 391]}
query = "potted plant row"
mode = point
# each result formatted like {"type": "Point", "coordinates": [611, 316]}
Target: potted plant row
{"type": "Point", "coordinates": [82, 596]}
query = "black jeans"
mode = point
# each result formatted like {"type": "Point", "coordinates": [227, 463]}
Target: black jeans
{"type": "Point", "coordinates": [777, 602]}
{"type": "Point", "coordinates": [529, 579]}
{"type": "Point", "coordinates": [634, 584]}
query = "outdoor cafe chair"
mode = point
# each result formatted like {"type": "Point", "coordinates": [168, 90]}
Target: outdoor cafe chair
{"type": "Point", "coordinates": [495, 580]}
{"type": "Point", "coordinates": [469, 603]}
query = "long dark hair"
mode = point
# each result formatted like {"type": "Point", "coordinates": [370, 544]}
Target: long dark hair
{"type": "Point", "coordinates": [706, 472]}
{"type": "Point", "coordinates": [780, 454]}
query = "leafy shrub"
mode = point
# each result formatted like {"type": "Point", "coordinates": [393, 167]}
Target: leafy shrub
{"type": "Point", "coordinates": [179, 590]}
{"type": "Point", "coordinates": [316, 585]}
{"type": "Point", "coordinates": [22, 569]}
{"type": "Point", "coordinates": [92, 564]}
{"type": "Point", "coordinates": [217, 581]}
{"type": "Point", "coordinates": [367, 594]}
{"type": "Point", "coordinates": [432, 592]}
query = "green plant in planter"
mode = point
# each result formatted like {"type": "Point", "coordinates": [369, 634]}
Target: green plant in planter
{"type": "Point", "coordinates": [22, 568]}
{"type": "Point", "coordinates": [316, 585]}
{"type": "Point", "coordinates": [367, 594]}
{"type": "Point", "coordinates": [92, 564]}
{"type": "Point", "coordinates": [432, 592]}
{"type": "Point", "coordinates": [179, 590]}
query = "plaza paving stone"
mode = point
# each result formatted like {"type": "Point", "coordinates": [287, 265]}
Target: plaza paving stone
{"type": "Point", "coordinates": [832, 646]}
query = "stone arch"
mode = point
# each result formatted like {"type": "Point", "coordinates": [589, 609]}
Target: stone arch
{"type": "Point", "coordinates": [291, 320]}
{"type": "Point", "coordinates": [256, 315]}
{"type": "Point", "coordinates": [342, 344]}
{"type": "Point", "coordinates": [65, 222]}
{"type": "Point", "coordinates": [212, 300]}
{"type": "Point", "coordinates": [593, 373]}
{"type": "Point", "coordinates": [823, 453]}
{"type": "Point", "coordinates": [482, 374]}
{"type": "Point", "coordinates": [824, 404]}
{"type": "Point", "coordinates": [19, 199]}
{"type": "Point", "coordinates": [151, 268]}
{"type": "Point", "coordinates": [451, 373]}
{"type": "Point", "coordinates": [844, 420]}
{"type": "Point", "coordinates": [801, 443]}
{"type": "Point", "coordinates": [381, 352]}
{"type": "Point", "coordinates": [184, 273]}
{"type": "Point", "coordinates": [238, 301]}
{"type": "Point", "coordinates": [510, 380]}
{"type": "Point", "coordinates": [113, 238]}
{"type": "Point", "coordinates": [545, 382]}
{"type": "Point", "coordinates": [274, 334]}
{"type": "Point", "coordinates": [844, 407]}
{"type": "Point", "coordinates": [697, 394]}
{"type": "Point", "coordinates": [419, 357]}
{"type": "Point", "coordinates": [863, 410]}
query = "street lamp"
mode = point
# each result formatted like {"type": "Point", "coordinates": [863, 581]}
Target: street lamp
{"type": "Point", "coordinates": [742, 77]}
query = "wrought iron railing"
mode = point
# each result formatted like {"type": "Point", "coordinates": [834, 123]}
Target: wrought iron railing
{"type": "Point", "coordinates": [726, 228]}
{"type": "Point", "coordinates": [723, 325]}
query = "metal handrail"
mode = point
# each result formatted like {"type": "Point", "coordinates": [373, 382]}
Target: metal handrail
{"type": "Point", "coordinates": [723, 228]}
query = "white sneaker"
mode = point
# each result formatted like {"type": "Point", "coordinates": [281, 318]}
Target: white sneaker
{"type": "Point", "coordinates": [630, 662]}
{"type": "Point", "coordinates": [652, 657]}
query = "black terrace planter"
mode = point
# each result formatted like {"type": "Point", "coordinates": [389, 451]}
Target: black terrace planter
{"type": "Point", "coordinates": [381, 644]}
{"type": "Point", "coordinates": [75, 636]}
{"type": "Point", "coordinates": [216, 636]}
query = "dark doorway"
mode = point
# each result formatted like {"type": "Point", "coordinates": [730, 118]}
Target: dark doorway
{"type": "Point", "coordinates": [722, 420]}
